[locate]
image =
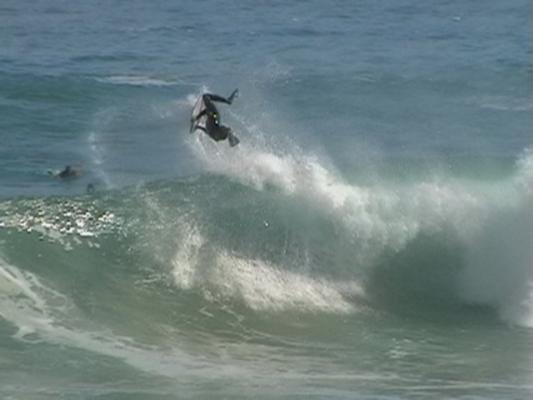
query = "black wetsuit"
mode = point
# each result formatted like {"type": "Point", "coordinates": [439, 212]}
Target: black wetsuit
{"type": "Point", "coordinates": [68, 172]}
{"type": "Point", "coordinates": [212, 125]}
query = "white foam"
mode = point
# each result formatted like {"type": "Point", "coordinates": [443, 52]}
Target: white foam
{"type": "Point", "coordinates": [377, 217]}
{"type": "Point", "coordinates": [499, 268]}
{"type": "Point", "coordinates": [62, 221]}
{"type": "Point", "coordinates": [133, 80]}
{"type": "Point", "coordinates": [263, 286]}
{"type": "Point", "coordinates": [42, 314]}
{"type": "Point", "coordinates": [23, 300]}
{"type": "Point", "coordinates": [257, 283]}
{"type": "Point", "coordinates": [187, 257]}
{"type": "Point", "coordinates": [493, 221]}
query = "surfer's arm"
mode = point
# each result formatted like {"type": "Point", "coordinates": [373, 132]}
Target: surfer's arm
{"type": "Point", "coordinates": [217, 98]}
{"type": "Point", "coordinates": [220, 99]}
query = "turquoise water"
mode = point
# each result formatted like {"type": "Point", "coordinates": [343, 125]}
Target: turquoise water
{"type": "Point", "coordinates": [370, 237]}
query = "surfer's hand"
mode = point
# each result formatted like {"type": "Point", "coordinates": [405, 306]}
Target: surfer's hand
{"type": "Point", "coordinates": [233, 95]}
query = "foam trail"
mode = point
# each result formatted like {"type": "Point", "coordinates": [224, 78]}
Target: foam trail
{"type": "Point", "coordinates": [41, 313]}
{"type": "Point", "coordinates": [22, 300]}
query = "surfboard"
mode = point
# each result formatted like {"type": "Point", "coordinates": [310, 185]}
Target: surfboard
{"type": "Point", "coordinates": [199, 106]}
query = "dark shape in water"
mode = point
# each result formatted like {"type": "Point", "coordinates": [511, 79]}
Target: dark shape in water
{"type": "Point", "coordinates": [69, 173]}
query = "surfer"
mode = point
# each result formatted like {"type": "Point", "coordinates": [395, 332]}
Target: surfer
{"type": "Point", "coordinates": [68, 173]}
{"type": "Point", "coordinates": [205, 117]}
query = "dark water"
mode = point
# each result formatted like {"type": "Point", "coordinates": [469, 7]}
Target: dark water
{"type": "Point", "coordinates": [369, 238]}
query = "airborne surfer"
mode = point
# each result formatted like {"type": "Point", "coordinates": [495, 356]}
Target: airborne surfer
{"type": "Point", "coordinates": [205, 117]}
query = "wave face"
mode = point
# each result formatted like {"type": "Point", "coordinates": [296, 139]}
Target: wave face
{"type": "Point", "coordinates": [272, 251]}
{"type": "Point", "coordinates": [265, 252]}
{"type": "Point", "coordinates": [282, 232]}
{"type": "Point", "coordinates": [454, 234]}
{"type": "Point", "coordinates": [369, 238]}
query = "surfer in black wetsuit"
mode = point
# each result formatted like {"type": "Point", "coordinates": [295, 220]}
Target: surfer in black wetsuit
{"type": "Point", "coordinates": [212, 123]}
{"type": "Point", "coordinates": [68, 172]}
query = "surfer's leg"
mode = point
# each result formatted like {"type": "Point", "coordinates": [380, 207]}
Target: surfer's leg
{"type": "Point", "coordinates": [209, 133]}
{"type": "Point", "coordinates": [215, 97]}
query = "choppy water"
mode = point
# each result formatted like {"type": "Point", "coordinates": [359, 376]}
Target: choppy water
{"type": "Point", "coordinates": [369, 238]}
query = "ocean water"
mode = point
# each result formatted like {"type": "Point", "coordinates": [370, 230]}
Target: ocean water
{"type": "Point", "coordinates": [370, 237]}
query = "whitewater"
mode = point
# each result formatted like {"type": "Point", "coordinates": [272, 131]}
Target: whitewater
{"type": "Point", "coordinates": [491, 221]}
{"type": "Point", "coordinates": [369, 238]}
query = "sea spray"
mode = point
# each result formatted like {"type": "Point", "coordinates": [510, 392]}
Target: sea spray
{"type": "Point", "coordinates": [499, 260]}
{"type": "Point", "coordinates": [493, 229]}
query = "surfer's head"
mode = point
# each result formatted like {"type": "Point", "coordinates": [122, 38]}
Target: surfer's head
{"type": "Point", "coordinates": [69, 172]}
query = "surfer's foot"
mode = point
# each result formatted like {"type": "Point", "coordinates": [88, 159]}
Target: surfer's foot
{"type": "Point", "coordinates": [233, 140]}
